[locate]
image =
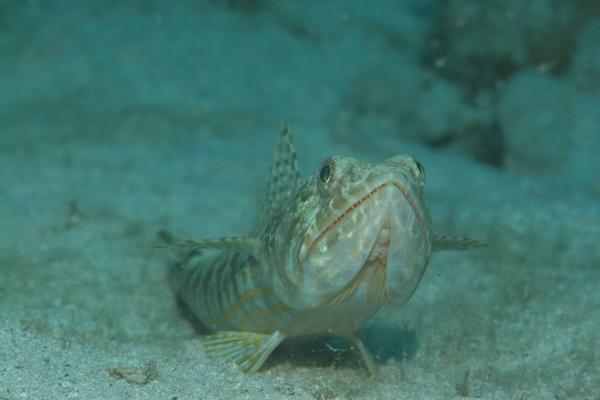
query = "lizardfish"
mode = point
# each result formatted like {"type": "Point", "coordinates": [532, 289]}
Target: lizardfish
{"type": "Point", "coordinates": [326, 255]}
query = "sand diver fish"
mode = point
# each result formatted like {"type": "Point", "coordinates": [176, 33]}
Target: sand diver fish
{"type": "Point", "coordinates": [326, 256]}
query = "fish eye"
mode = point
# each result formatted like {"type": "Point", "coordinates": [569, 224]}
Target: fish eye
{"type": "Point", "coordinates": [325, 172]}
{"type": "Point", "coordinates": [421, 176]}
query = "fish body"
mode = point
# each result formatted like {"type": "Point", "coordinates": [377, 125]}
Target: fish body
{"type": "Point", "coordinates": [326, 256]}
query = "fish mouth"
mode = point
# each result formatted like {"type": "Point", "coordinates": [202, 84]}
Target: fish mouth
{"type": "Point", "coordinates": [362, 201]}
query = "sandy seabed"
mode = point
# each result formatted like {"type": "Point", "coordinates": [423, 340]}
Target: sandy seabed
{"type": "Point", "coordinates": [118, 119]}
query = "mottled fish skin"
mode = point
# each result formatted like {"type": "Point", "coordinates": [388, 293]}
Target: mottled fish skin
{"type": "Point", "coordinates": [325, 257]}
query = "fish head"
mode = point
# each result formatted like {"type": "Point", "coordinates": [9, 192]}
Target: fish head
{"type": "Point", "coordinates": [355, 227]}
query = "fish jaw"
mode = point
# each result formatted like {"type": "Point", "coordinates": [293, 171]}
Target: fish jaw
{"type": "Point", "coordinates": [378, 254]}
{"type": "Point", "coordinates": [408, 240]}
{"type": "Point", "coordinates": [397, 252]}
{"type": "Point", "coordinates": [337, 256]}
{"type": "Point", "coordinates": [330, 234]}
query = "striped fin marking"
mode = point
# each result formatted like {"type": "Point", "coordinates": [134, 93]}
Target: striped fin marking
{"type": "Point", "coordinates": [221, 290]}
{"type": "Point", "coordinates": [253, 302]}
{"type": "Point", "coordinates": [195, 285]}
{"type": "Point", "coordinates": [453, 243]}
{"type": "Point", "coordinates": [229, 294]}
{"type": "Point", "coordinates": [247, 297]}
{"type": "Point", "coordinates": [250, 244]}
{"type": "Point", "coordinates": [213, 288]}
{"type": "Point", "coordinates": [249, 350]}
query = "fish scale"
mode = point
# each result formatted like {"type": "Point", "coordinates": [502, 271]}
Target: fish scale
{"type": "Point", "coordinates": [324, 257]}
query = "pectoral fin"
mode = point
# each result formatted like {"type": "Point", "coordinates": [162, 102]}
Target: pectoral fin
{"type": "Point", "coordinates": [377, 290]}
{"type": "Point", "coordinates": [250, 244]}
{"type": "Point", "coordinates": [454, 243]}
{"type": "Point", "coordinates": [357, 342]}
{"type": "Point", "coordinates": [349, 290]}
{"type": "Point", "coordinates": [248, 350]}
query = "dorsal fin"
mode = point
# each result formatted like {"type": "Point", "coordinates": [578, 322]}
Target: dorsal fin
{"type": "Point", "coordinates": [285, 177]}
{"type": "Point", "coordinates": [454, 243]}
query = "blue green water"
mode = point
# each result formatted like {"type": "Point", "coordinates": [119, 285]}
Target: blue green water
{"type": "Point", "coordinates": [121, 118]}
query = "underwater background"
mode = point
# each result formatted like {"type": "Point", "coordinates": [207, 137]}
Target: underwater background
{"type": "Point", "coordinates": [121, 118]}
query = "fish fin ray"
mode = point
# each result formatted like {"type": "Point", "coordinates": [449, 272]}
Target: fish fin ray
{"type": "Point", "coordinates": [285, 175]}
{"type": "Point", "coordinates": [181, 256]}
{"type": "Point", "coordinates": [251, 245]}
{"type": "Point", "coordinates": [455, 243]}
{"type": "Point", "coordinates": [348, 290]}
{"type": "Point", "coordinates": [377, 290]}
{"type": "Point", "coordinates": [356, 341]}
{"type": "Point", "coordinates": [248, 350]}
